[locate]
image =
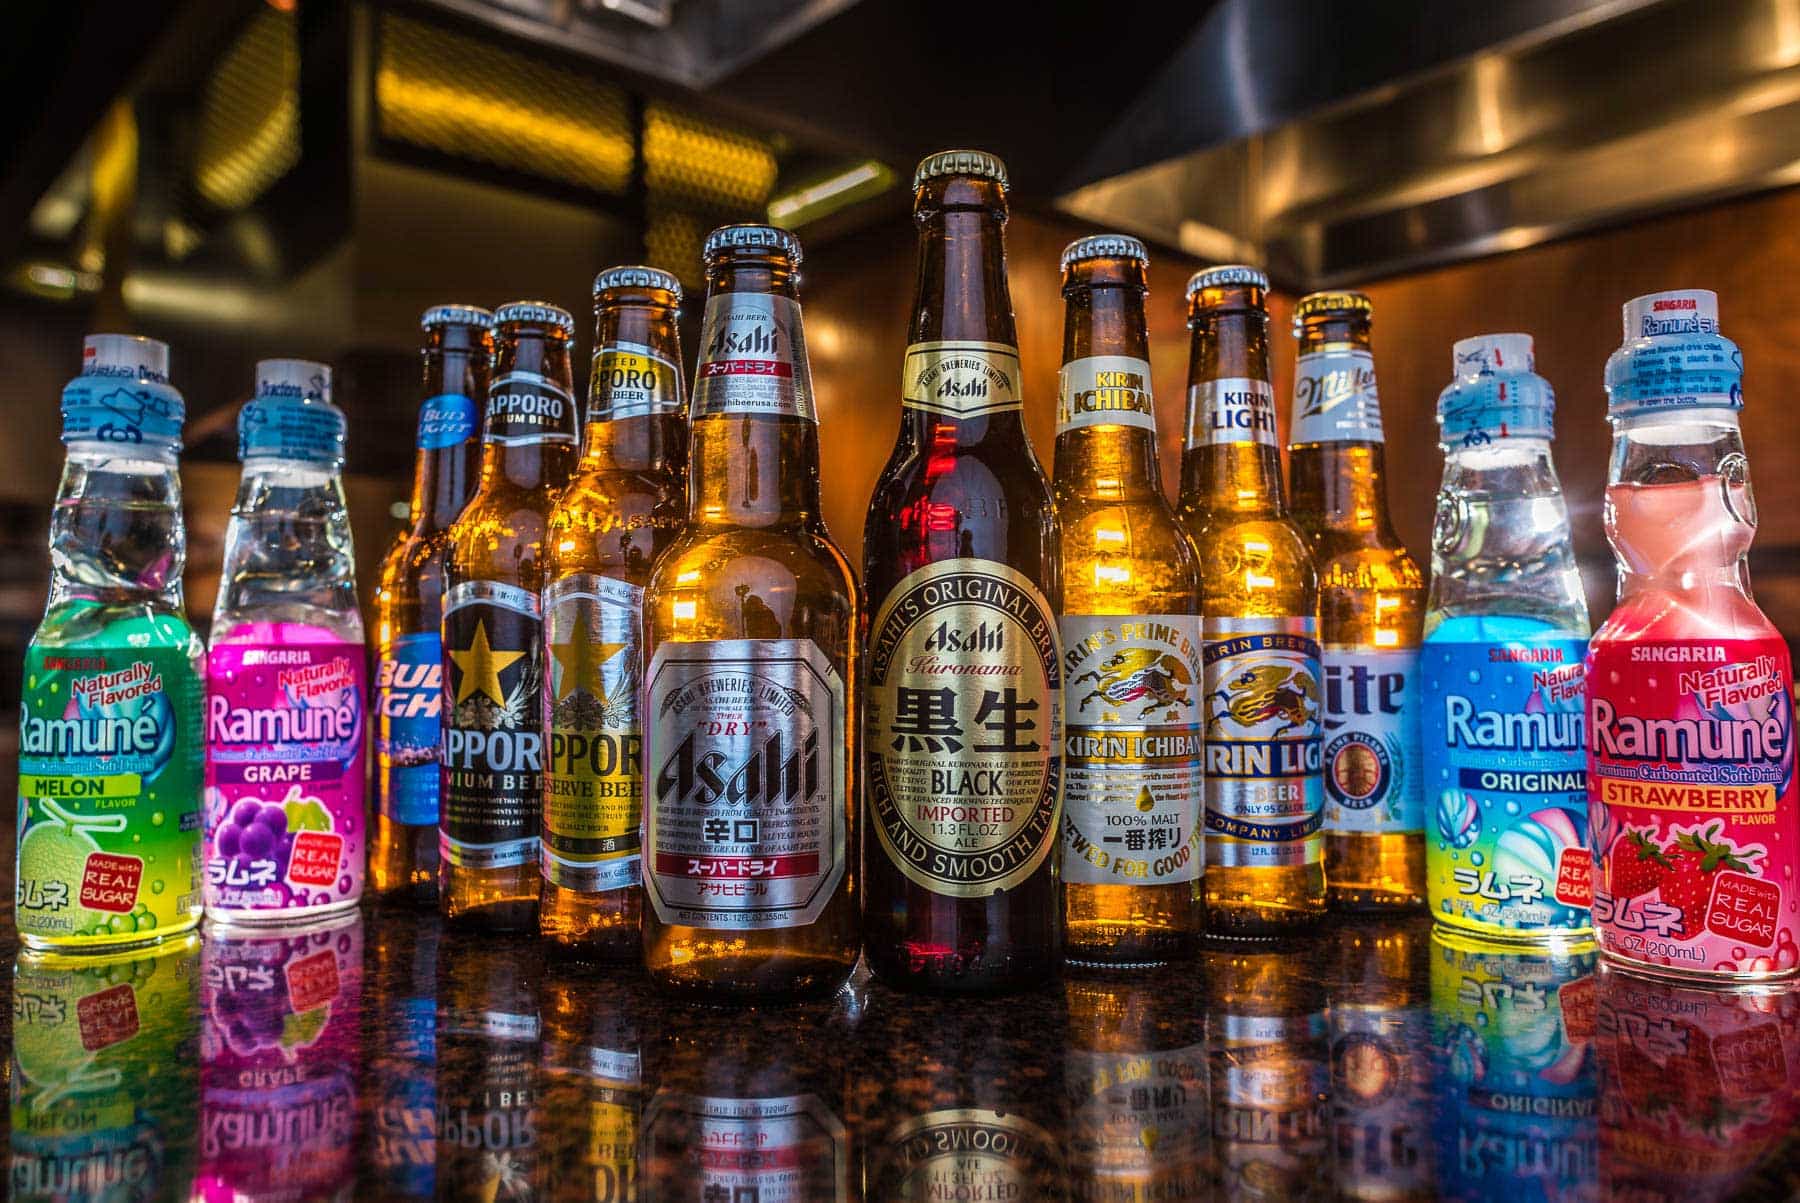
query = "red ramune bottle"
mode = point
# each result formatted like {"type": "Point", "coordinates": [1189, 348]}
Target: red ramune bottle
{"type": "Point", "coordinates": [1693, 813]}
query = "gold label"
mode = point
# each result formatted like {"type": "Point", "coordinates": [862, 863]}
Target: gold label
{"type": "Point", "coordinates": [961, 379]}
{"type": "Point", "coordinates": [630, 380]}
{"type": "Point", "coordinates": [1104, 390]}
{"type": "Point", "coordinates": [965, 727]}
{"type": "Point", "coordinates": [967, 1153]}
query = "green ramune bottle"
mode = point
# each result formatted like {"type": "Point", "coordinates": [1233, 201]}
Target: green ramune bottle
{"type": "Point", "coordinates": [111, 748]}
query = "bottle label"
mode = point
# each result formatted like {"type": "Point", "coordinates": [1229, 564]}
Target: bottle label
{"type": "Point", "coordinates": [631, 380]}
{"type": "Point", "coordinates": [1371, 734]}
{"type": "Point", "coordinates": [447, 420]}
{"type": "Point", "coordinates": [493, 742]}
{"type": "Point", "coordinates": [1335, 399]}
{"type": "Point", "coordinates": [111, 746]}
{"type": "Point", "coordinates": [1503, 756]}
{"type": "Point", "coordinates": [753, 358]}
{"type": "Point", "coordinates": [409, 694]}
{"type": "Point", "coordinates": [593, 780]}
{"type": "Point", "coordinates": [961, 380]}
{"type": "Point", "coordinates": [1105, 390]}
{"type": "Point", "coordinates": [1235, 410]}
{"type": "Point", "coordinates": [1132, 753]}
{"type": "Point", "coordinates": [786, 1149]}
{"type": "Point", "coordinates": [284, 772]}
{"type": "Point", "coordinates": [1692, 797]}
{"type": "Point", "coordinates": [526, 409]}
{"type": "Point", "coordinates": [746, 820]}
{"type": "Point", "coordinates": [1263, 794]}
{"type": "Point", "coordinates": [965, 727]}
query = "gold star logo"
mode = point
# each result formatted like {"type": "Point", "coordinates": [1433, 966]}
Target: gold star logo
{"type": "Point", "coordinates": [481, 667]}
{"type": "Point", "coordinates": [580, 660]}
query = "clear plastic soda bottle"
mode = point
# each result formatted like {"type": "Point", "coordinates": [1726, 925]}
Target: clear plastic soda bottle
{"type": "Point", "coordinates": [286, 832]}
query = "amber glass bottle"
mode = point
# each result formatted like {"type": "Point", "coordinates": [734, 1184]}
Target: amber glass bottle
{"type": "Point", "coordinates": [409, 594]}
{"type": "Point", "coordinates": [964, 724]}
{"type": "Point", "coordinates": [752, 615]}
{"type": "Point", "coordinates": [493, 628]}
{"type": "Point", "coordinates": [623, 506]}
{"type": "Point", "coordinates": [1264, 851]}
{"type": "Point", "coordinates": [1132, 792]}
{"type": "Point", "coordinates": [1371, 611]}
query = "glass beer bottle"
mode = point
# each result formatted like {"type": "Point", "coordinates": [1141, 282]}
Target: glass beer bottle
{"type": "Point", "coordinates": [488, 823]}
{"type": "Point", "coordinates": [751, 620]}
{"type": "Point", "coordinates": [1130, 628]}
{"type": "Point", "coordinates": [1264, 853]}
{"type": "Point", "coordinates": [622, 507]}
{"type": "Point", "coordinates": [1371, 609]}
{"type": "Point", "coordinates": [409, 595]}
{"type": "Point", "coordinates": [964, 723]}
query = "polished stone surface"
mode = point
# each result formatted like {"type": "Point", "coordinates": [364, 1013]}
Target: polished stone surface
{"type": "Point", "coordinates": [383, 1057]}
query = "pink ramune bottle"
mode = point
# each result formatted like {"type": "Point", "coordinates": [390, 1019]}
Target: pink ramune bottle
{"type": "Point", "coordinates": [1694, 818]}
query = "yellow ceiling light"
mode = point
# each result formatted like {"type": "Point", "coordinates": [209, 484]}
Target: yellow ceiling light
{"type": "Point", "coordinates": [250, 119]}
{"type": "Point", "coordinates": [834, 192]}
{"type": "Point", "coordinates": [703, 162]}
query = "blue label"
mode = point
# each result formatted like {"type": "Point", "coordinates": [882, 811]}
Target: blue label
{"type": "Point", "coordinates": [295, 427]}
{"type": "Point", "coordinates": [408, 703]}
{"type": "Point", "coordinates": [1371, 731]}
{"type": "Point", "coordinates": [1689, 369]}
{"type": "Point", "coordinates": [446, 420]}
{"type": "Point", "coordinates": [1506, 777]}
{"type": "Point", "coordinates": [101, 408]}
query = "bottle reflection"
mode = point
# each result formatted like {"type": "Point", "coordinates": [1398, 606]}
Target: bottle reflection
{"type": "Point", "coordinates": [278, 1060]}
{"type": "Point", "coordinates": [1380, 1066]}
{"type": "Point", "coordinates": [966, 1098]}
{"type": "Point", "coordinates": [1697, 1086]}
{"type": "Point", "coordinates": [1135, 1076]}
{"type": "Point", "coordinates": [487, 1063]}
{"type": "Point", "coordinates": [103, 1083]}
{"type": "Point", "coordinates": [400, 1082]}
{"type": "Point", "coordinates": [747, 1105]}
{"type": "Point", "coordinates": [591, 1095]}
{"type": "Point", "coordinates": [1269, 1068]}
{"type": "Point", "coordinates": [1511, 1034]}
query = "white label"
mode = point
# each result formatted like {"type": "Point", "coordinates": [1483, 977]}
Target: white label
{"type": "Point", "coordinates": [1104, 390]}
{"type": "Point", "coordinates": [1335, 399]}
{"type": "Point", "coordinates": [753, 358]}
{"type": "Point", "coordinates": [1371, 732]}
{"type": "Point", "coordinates": [1234, 410]}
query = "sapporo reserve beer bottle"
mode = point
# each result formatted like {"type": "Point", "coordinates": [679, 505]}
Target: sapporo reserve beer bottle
{"type": "Point", "coordinates": [1131, 833]}
{"type": "Point", "coordinates": [409, 598]}
{"type": "Point", "coordinates": [751, 620]}
{"type": "Point", "coordinates": [623, 506]}
{"type": "Point", "coordinates": [964, 724]}
{"type": "Point", "coordinates": [493, 630]}
{"type": "Point", "coordinates": [1371, 609]}
{"type": "Point", "coordinates": [1264, 851]}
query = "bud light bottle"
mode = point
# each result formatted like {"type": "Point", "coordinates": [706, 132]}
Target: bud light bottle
{"type": "Point", "coordinates": [1691, 711]}
{"type": "Point", "coordinates": [110, 741]}
{"type": "Point", "coordinates": [1505, 635]}
{"type": "Point", "coordinates": [285, 828]}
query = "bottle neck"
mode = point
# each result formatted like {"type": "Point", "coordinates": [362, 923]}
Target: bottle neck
{"type": "Point", "coordinates": [531, 430]}
{"type": "Point", "coordinates": [1106, 416]}
{"type": "Point", "coordinates": [1341, 486]}
{"type": "Point", "coordinates": [117, 533]}
{"type": "Point", "coordinates": [444, 476]}
{"type": "Point", "coordinates": [1680, 512]}
{"type": "Point", "coordinates": [1232, 464]}
{"type": "Point", "coordinates": [636, 413]}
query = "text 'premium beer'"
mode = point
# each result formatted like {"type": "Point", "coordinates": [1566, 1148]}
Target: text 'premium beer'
{"type": "Point", "coordinates": [1132, 850]}
{"type": "Point", "coordinates": [493, 630]}
{"type": "Point", "coordinates": [964, 725]}
{"type": "Point", "coordinates": [750, 624]}
{"type": "Point", "coordinates": [622, 507]}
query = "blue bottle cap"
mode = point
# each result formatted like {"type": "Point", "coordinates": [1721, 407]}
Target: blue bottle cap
{"type": "Point", "coordinates": [1496, 393]}
{"type": "Point", "coordinates": [291, 416]}
{"type": "Point", "coordinates": [1674, 357]}
{"type": "Point", "coordinates": [123, 395]}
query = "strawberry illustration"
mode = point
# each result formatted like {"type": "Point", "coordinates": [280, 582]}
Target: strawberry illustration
{"type": "Point", "coordinates": [1636, 865]}
{"type": "Point", "coordinates": [1696, 857]}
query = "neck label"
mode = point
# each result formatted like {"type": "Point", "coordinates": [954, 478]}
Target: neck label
{"type": "Point", "coordinates": [1105, 390]}
{"type": "Point", "coordinates": [1335, 399]}
{"type": "Point", "coordinates": [527, 409]}
{"type": "Point", "coordinates": [447, 420]}
{"type": "Point", "coordinates": [632, 380]}
{"type": "Point", "coordinates": [1237, 409]}
{"type": "Point", "coordinates": [961, 380]}
{"type": "Point", "coordinates": [753, 358]}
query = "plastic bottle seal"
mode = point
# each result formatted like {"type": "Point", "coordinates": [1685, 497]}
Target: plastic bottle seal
{"type": "Point", "coordinates": [1673, 358]}
{"type": "Point", "coordinates": [123, 396]}
{"type": "Point", "coordinates": [1496, 394]}
{"type": "Point", "coordinates": [291, 416]}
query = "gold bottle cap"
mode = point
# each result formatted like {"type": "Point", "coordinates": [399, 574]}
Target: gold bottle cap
{"type": "Point", "coordinates": [1105, 246]}
{"type": "Point", "coordinates": [456, 315]}
{"type": "Point", "coordinates": [977, 163]}
{"type": "Point", "coordinates": [753, 237]}
{"type": "Point", "coordinates": [1331, 302]}
{"type": "Point", "coordinates": [636, 275]}
{"type": "Point", "coordinates": [540, 313]}
{"type": "Point", "coordinates": [1226, 274]}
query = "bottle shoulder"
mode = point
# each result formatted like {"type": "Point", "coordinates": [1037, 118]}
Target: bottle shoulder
{"type": "Point", "coordinates": [755, 583]}
{"type": "Point", "coordinates": [145, 623]}
{"type": "Point", "coordinates": [1127, 557]}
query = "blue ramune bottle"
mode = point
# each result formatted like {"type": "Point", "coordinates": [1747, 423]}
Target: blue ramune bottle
{"type": "Point", "coordinates": [1506, 630]}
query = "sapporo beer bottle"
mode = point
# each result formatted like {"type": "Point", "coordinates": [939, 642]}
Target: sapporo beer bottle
{"type": "Point", "coordinates": [1131, 832]}
{"type": "Point", "coordinates": [409, 598]}
{"type": "Point", "coordinates": [623, 506]}
{"type": "Point", "coordinates": [964, 724]}
{"type": "Point", "coordinates": [751, 621]}
{"type": "Point", "coordinates": [493, 629]}
{"type": "Point", "coordinates": [1371, 609]}
{"type": "Point", "coordinates": [1264, 851]}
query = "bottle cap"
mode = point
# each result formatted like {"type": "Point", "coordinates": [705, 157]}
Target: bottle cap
{"type": "Point", "coordinates": [123, 395]}
{"type": "Point", "coordinates": [978, 163]}
{"type": "Point", "coordinates": [746, 236]}
{"type": "Point", "coordinates": [1683, 311]}
{"type": "Point", "coordinates": [1674, 358]}
{"type": "Point", "coordinates": [1105, 246]}
{"type": "Point", "coordinates": [292, 416]}
{"type": "Point", "coordinates": [1496, 394]}
{"type": "Point", "coordinates": [636, 275]}
{"type": "Point", "coordinates": [540, 313]}
{"type": "Point", "coordinates": [1331, 302]}
{"type": "Point", "coordinates": [1225, 275]}
{"type": "Point", "coordinates": [456, 315]}
{"type": "Point", "coordinates": [1492, 353]}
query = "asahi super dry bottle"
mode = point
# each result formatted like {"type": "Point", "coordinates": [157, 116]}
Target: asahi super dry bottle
{"type": "Point", "coordinates": [964, 724]}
